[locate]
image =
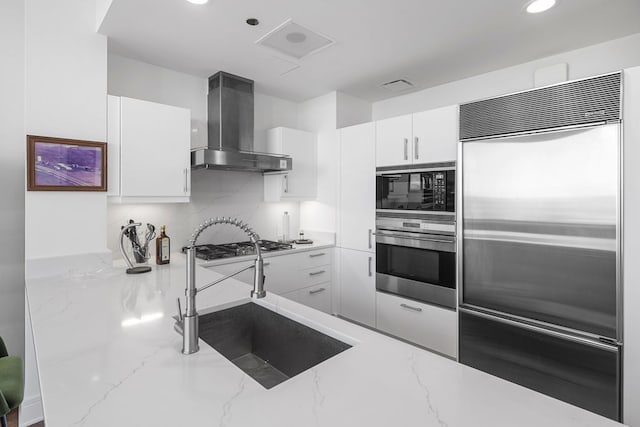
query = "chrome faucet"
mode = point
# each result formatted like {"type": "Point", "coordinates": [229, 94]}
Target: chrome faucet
{"type": "Point", "coordinates": [188, 323]}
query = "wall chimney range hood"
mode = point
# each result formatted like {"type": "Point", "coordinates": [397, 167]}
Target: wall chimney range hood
{"type": "Point", "coordinates": [230, 128]}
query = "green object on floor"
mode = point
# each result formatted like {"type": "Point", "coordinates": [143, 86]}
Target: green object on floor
{"type": "Point", "coordinates": [11, 381]}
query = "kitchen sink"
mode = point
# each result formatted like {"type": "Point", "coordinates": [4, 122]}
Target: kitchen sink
{"type": "Point", "coordinates": [267, 346]}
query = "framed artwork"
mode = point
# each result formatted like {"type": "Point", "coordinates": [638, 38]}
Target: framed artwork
{"type": "Point", "coordinates": [58, 164]}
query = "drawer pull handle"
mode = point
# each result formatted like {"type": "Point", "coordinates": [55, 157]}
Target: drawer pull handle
{"type": "Point", "coordinates": [315, 273]}
{"type": "Point", "coordinates": [186, 180]}
{"type": "Point", "coordinates": [317, 291]}
{"type": "Point", "coordinates": [410, 307]}
{"type": "Point", "coordinates": [317, 255]}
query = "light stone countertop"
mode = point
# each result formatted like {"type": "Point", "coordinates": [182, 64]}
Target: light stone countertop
{"type": "Point", "coordinates": [108, 355]}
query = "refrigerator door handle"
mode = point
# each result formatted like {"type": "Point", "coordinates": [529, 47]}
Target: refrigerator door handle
{"type": "Point", "coordinates": [598, 344]}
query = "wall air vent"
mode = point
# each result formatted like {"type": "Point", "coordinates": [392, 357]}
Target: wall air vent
{"type": "Point", "coordinates": [397, 85]}
{"type": "Point", "coordinates": [294, 40]}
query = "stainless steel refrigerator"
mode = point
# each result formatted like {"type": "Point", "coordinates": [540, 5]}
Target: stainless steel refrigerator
{"type": "Point", "coordinates": [539, 240]}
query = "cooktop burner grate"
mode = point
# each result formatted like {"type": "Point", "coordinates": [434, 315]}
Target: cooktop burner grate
{"type": "Point", "coordinates": [227, 250]}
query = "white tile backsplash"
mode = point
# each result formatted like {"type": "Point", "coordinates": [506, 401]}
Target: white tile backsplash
{"type": "Point", "coordinates": [213, 193]}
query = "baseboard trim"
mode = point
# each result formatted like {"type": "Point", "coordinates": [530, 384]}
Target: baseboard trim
{"type": "Point", "coordinates": [31, 411]}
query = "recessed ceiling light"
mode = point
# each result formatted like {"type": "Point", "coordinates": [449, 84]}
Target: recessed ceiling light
{"type": "Point", "coordinates": [198, 1]}
{"type": "Point", "coordinates": [253, 21]}
{"type": "Point", "coordinates": [537, 6]}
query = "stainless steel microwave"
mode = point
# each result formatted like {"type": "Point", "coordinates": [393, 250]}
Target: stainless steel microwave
{"type": "Point", "coordinates": [416, 188]}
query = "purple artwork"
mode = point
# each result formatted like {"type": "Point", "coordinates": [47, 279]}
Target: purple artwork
{"type": "Point", "coordinates": [67, 165]}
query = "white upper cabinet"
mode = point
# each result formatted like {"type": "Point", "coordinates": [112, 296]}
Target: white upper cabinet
{"type": "Point", "coordinates": [357, 212]}
{"type": "Point", "coordinates": [149, 151]}
{"type": "Point", "coordinates": [426, 137]}
{"type": "Point", "coordinates": [300, 183]}
{"type": "Point", "coordinates": [393, 141]}
{"type": "Point", "coordinates": [435, 135]}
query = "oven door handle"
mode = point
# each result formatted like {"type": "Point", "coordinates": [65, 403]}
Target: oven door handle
{"type": "Point", "coordinates": [425, 239]}
{"type": "Point", "coordinates": [428, 243]}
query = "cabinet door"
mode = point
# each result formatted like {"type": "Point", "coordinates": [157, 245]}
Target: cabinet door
{"type": "Point", "coordinates": [358, 286]}
{"type": "Point", "coordinates": [300, 183]}
{"type": "Point", "coordinates": [357, 187]}
{"type": "Point", "coordinates": [435, 135]}
{"type": "Point", "coordinates": [393, 141]}
{"type": "Point", "coordinates": [155, 149]}
{"type": "Point", "coordinates": [432, 327]}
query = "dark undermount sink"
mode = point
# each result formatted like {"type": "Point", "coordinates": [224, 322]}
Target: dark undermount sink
{"type": "Point", "coordinates": [267, 346]}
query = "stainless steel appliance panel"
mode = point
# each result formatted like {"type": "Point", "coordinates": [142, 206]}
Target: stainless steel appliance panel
{"type": "Point", "coordinates": [416, 265]}
{"type": "Point", "coordinates": [540, 227]}
{"type": "Point", "coordinates": [419, 291]}
{"type": "Point", "coordinates": [579, 102]}
{"type": "Point", "coordinates": [575, 371]}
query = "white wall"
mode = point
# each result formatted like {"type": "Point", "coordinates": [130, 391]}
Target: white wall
{"type": "Point", "coordinates": [269, 113]}
{"type": "Point", "coordinates": [136, 79]}
{"type": "Point", "coordinates": [324, 115]}
{"type": "Point", "coordinates": [66, 75]}
{"type": "Point", "coordinates": [65, 96]}
{"type": "Point", "coordinates": [631, 253]}
{"type": "Point", "coordinates": [102, 7]}
{"type": "Point", "coordinates": [593, 60]}
{"type": "Point", "coordinates": [214, 193]}
{"type": "Point", "coordinates": [321, 214]}
{"type": "Point", "coordinates": [351, 110]}
{"type": "Point", "coordinates": [318, 114]}
{"type": "Point", "coordinates": [12, 141]}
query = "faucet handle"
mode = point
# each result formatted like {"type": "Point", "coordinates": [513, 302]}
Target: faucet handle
{"type": "Point", "coordinates": [180, 316]}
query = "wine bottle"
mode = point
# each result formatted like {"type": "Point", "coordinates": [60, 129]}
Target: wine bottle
{"type": "Point", "coordinates": [163, 247]}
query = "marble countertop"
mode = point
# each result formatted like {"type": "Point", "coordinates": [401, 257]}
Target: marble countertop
{"type": "Point", "coordinates": [108, 355]}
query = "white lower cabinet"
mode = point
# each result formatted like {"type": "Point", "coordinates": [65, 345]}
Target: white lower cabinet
{"type": "Point", "coordinates": [358, 286]}
{"type": "Point", "coordinates": [432, 327]}
{"type": "Point", "coordinates": [318, 296]}
{"type": "Point", "coordinates": [304, 277]}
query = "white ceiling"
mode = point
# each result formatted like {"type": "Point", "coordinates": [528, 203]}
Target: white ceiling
{"type": "Point", "coordinates": [427, 42]}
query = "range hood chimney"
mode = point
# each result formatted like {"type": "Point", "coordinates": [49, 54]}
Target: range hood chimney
{"type": "Point", "coordinates": [230, 146]}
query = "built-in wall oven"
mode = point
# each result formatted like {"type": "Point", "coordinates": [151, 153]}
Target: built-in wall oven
{"type": "Point", "coordinates": [415, 233]}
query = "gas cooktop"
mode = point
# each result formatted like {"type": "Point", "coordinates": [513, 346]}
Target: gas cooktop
{"type": "Point", "coordinates": [227, 250]}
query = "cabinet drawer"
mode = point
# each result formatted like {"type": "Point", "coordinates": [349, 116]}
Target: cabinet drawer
{"type": "Point", "coordinates": [429, 326]}
{"type": "Point", "coordinates": [308, 259]}
{"type": "Point", "coordinates": [314, 275]}
{"type": "Point", "coordinates": [287, 273]}
{"type": "Point", "coordinates": [318, 297]}
{"type": "Point", "coordinates": [316, 258]}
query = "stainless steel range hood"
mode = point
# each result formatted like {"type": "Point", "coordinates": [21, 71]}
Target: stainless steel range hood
{"type": "Point", "coordinates": [230, 146]}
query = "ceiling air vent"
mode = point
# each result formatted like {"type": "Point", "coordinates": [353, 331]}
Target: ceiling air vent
{"type": "Point", "coordinates": [294, 40]}
{"type": "Point", "coordinates": [397, 85]}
